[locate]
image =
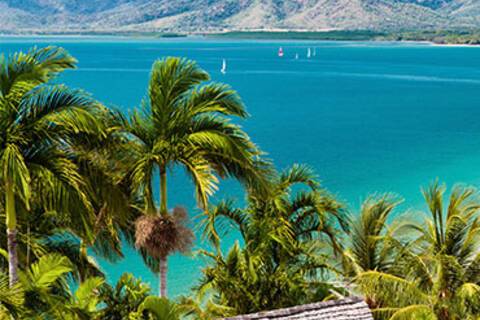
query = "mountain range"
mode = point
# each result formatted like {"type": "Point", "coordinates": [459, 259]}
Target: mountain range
{"type": "Point", "coordinates": [219, 15]}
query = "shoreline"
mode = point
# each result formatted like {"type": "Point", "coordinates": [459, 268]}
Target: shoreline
{"type": "Point", "coordinates": [455, 45]}
{"type": "Point", "coordinates": [440, 39]}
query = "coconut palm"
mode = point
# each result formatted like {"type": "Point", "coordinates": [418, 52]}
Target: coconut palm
{"type": "Point", "coordinates": [289, 238]}
{"type": "Point", "coordinates": [436, 275]}
{"type": "Point", "coordinates": [36, 123]}
{"type": "Point", "coordinates": [373, 241]}
{"type": "Point", "coordinates": [185, 122]}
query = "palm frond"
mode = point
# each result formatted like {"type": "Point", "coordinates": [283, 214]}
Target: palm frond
{"type": "Point", "coordinates": [170, 79]}
{"type": "Point", "coordinates": [160, 308]}
{"type": "Point", "coordinates": [11, 298]}
{"type": "Point", "coordinates": [15, 172]}
{"type": "Point", "coordinates": [369, 232]}
{"type": "Point", "coordinates": [296, 174]}
{"type": "Point", "coordinates": [26, 70]}
{"type": "Point", "coordinates": [44, 273]}
{"type": "Point", "coordinates": [215, 98]}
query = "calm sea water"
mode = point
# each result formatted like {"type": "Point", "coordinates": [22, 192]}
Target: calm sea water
{"type": "Point", "coordinates": [369, 117]}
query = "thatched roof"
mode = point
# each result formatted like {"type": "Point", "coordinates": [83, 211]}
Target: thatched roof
{"type": "Point", "coordinates": [345, 309]}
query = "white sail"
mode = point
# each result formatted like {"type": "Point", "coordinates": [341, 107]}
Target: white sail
{"type": "Point", "coordinates": [309, 53]}
{"type": "Point", "coordinates": [314, 52]}
{"type": "Point", "coordinates": [296, 56]}
{"type": "Point", "coordinates": [224, 67]}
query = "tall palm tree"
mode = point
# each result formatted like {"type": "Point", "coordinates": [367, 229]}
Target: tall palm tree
{"type": "Point", "coordinates": [185, 122]}
{"type": "Point", "coordinates": [289, 238]}
{"type": "Point", "coordinates": [436, 275]}
{"type": "Point", "coordinates": [37, 121]}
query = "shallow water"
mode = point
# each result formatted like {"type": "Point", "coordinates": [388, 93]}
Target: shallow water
{"type": "Point", "coordinates": [369, 117]}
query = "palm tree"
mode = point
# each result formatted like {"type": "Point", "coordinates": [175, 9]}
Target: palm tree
{"type": "Point", "coordinates": [104, 169]}
{"type": "Point", "coordinates": [37, 121]}
{"type": "Point", "coordinates": [374, 244]}
{"type": "Point", "coordinates": [436, 275]}
{"type": "Point", "coordinates": [289, 238]}
{"type": "Point", "coordinates": [373, 241]}
{"type": "Point", "coordinates": [185, 122]}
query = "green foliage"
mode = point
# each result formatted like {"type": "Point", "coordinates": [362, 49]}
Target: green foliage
{"type": "Point", "coordinates": [45, 272]}
{"type": "Point", "coordinates": [289, 237]}
{"type": "Point", "coordinates": [124, 300]}
{"type": "Point", "coordinates": [75, 175]}
{"type": "Point", "coordinates": [159, 309]}
{"type": "Point", "coordinates": [11, 299]}
{"type": "Point", "coordinates": [43, 293]}
{"type": "Point", "coordinates": [185, 121]}
{"type": "Point", "coordinates": [467, 37]}
{"type": "Point", "coordinates": [337, 35]}
{"type": "Point", "coordinates": [373, 245]}
{"type": "Point", "coordinates": [432, 276]}
{"type": "Point", "coordinates": [38, 123]}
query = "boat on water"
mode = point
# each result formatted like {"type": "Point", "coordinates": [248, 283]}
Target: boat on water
{"type": "Point", "coordinates": [314, 52]}
{"type": "Point", "coordinates": [309, 53]}
{"type": "Point", "coordinates": [280, 52]}
{"type": "Point", "coordinates": [296, 56]}
{"type": "Point", "coordinates": [224, 67]}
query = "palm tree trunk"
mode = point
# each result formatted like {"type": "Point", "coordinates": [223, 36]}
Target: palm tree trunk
{"type": "Point", "coordinates": [11, 234]}
{"type": "Point", "coordinates": [163, 268]}
{"type": "Point", "coordinates": [83, 255]}
{"type": "Point", "coordinates": [83, 248]}
{"type": "Point", "coordinates": [163, 191]}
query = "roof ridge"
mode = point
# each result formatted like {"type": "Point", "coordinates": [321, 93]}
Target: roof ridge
{"type": "Point", "coordinates": [290, 311]}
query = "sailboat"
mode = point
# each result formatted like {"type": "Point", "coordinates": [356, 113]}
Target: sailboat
{"type": "Point", "coordinates": [296, 56]}
{"type": "Point", "coordinates": [309, 53]}
{"type": "Point", "coordinates": [314, 52]}
{"type": "Point", "coordinates": [224, 67]}
{"type": "Point", "coordinates": [280, 52]}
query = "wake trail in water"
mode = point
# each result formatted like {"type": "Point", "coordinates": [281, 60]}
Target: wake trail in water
{"type": "Point", "coordinates": [406, 77]}
{"type": "Point", "coordinates": [401, 77]}
{"type": "Point", "coordinates": [112, 70]}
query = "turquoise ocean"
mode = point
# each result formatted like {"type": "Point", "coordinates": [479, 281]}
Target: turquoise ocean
{"type": "Point", "coordinates": [369, 117]}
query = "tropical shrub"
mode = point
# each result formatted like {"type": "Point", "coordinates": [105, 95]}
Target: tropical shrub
{"type": "Point", "coordinates": [124, 300]}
